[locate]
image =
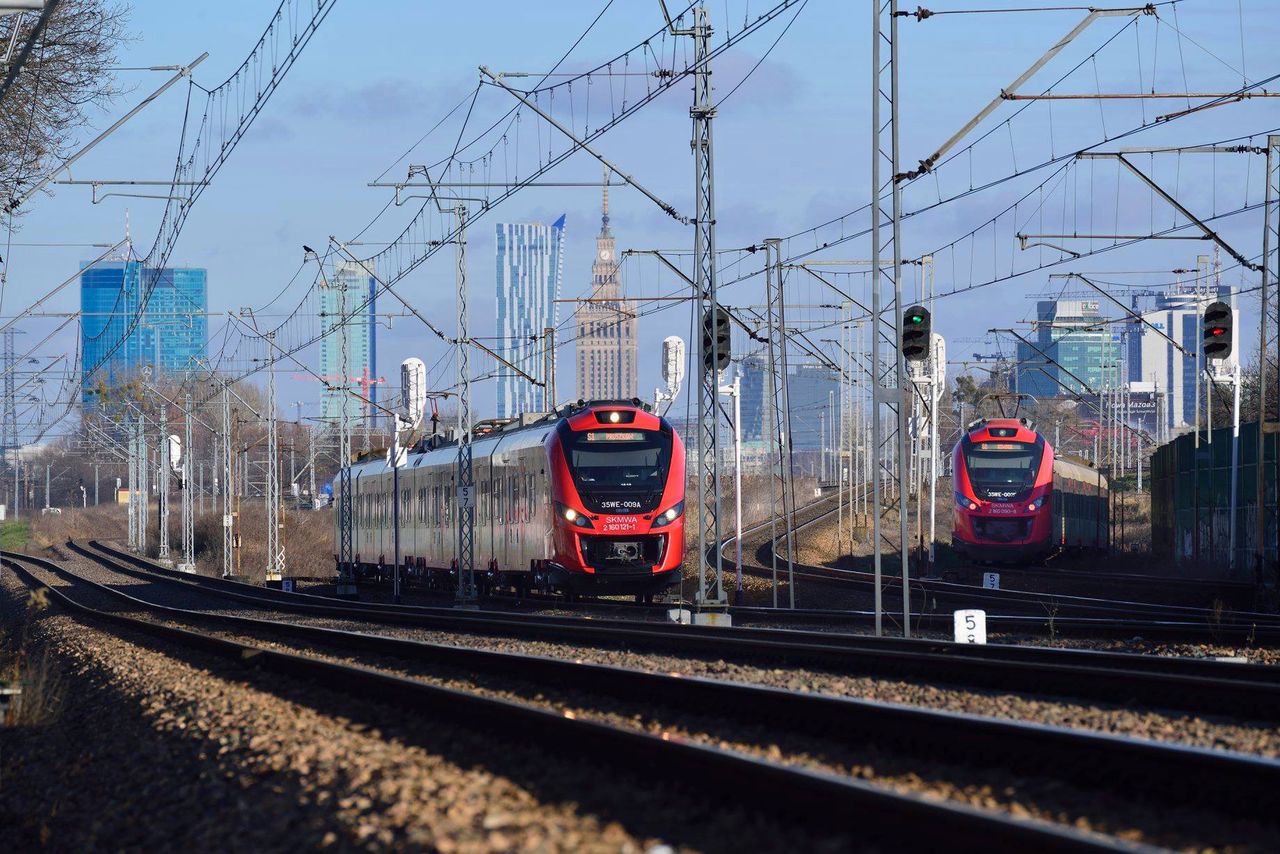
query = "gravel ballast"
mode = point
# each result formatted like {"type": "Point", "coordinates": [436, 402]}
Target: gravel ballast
{"type": "Point", "coordinates": [1044, 798]}
{"type": "Point", "coordinates": [1028, 704]}
{"type": "Point", "coordinates": [161, 750]}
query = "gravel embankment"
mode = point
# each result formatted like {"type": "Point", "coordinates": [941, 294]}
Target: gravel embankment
{"type": "Point", "coordinates": [1201, 731]}
{"type": "Point", "coordinates": [169, 750]}
{"type": "Point", "coordinates": [1044, 798]}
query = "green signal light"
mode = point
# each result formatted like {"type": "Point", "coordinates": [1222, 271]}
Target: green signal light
{"type": "Point", "coordinates": [915, 318]}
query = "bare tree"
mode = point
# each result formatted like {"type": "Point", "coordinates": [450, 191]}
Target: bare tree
{"type": "Point", "coordinates": [65, 75]}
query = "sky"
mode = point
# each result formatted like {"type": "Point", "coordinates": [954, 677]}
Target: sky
{"type": "Point", "coordinates": [792, 141]}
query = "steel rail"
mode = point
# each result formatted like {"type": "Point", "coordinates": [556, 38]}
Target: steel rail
{"type": "Point", "coordinates": [850, 723]}
{"type": "Point", "coordinates": [1191, 685]}
{"type": "Point", "coordinates": [845, 803]}
{"type": "Point", "coordinates": [1168, 620]}
{"type": "Point", "coordinates": [1204, 629]}
{"type": "Point", "coordinates": [532, 625]}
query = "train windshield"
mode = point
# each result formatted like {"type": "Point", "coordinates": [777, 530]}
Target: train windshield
{"type": "Point", "coordinates": [996, 464]}
{"type": "Point", "coordinates": [618, 461]}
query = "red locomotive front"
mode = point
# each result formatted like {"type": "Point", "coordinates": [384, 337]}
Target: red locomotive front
{"type": "Point", "coordinates": [1004, 492]}
{"type": "Point", "coordinates": [617, 488]}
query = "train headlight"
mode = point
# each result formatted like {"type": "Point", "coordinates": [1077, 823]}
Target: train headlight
{"type": "Point", "coordinates": [572, 516]}
{"type": "Point", "coordinates": [1035, 505]}
{"type": "Point", "coordinates": [666, 517]}
{"type": "Point", "coordinates": [615, 417]}
{"type": "Point", "coordinates": [964, 502]}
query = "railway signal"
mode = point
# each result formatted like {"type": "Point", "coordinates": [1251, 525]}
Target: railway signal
{"type": "Point", "coordinates": [1217, 330]}
{"type": "Point", "coordinates": [917, 334]}
{"type": "Point", "coordinates": [715, 339]}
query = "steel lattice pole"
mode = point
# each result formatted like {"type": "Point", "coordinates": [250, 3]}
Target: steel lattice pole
{"type": "Point", "coordinates": [1260, 534]}
{"type": "Point", "coordinates": [346, 501]}
{"type": "Point", "coordinates": [773, 429]}
{"type": "Point", "coordinates": [133, 486]}
{"type": "Point", "coordinates": [228, 519]}
{"type": "Point", "coordinates": [897, 311]}
{"type": "Point", "coordinates": [466, 593]}
{"type": "Point", "coordinates": [786, 442]}
{"type": "Point", "coordinates": [163, 498]}
{"type": "Point", "coordinates": [275, 550]}
{"type": "Point", "coordinates": [710, 581]}
{"type": "Point", "coordinates": [144, 491]}
{"type": "Point", "coordinates": [188, 517]}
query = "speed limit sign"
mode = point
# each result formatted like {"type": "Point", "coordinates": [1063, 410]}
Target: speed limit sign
{"type": "Point", "coordinates": [971, 626]}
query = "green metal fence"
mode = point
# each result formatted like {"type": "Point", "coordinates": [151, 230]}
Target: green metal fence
{"type": "Point", "coordinates": [1191, 503]}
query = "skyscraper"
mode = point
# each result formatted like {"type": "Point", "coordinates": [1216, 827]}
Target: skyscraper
{"type": "Point", "coordinates": [119, 336]}
{"type": "Point", "coordinates": [530, 257]}
{"type": "Point", "coordinates": [810, 391]}
{"type": "Point", "coordinates": [1077, 350]}
{"type": "Point", "coordinates": [606, 334]}
{"type": "Point", "coordinates": [349, 293]}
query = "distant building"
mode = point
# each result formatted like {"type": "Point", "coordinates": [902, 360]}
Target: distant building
{"type": "Point", "coordinates": [814, 395]}
{"type": "Point", "coordinates": [810, 391]}
{"type": "Point", "coordinates": [119, 335]}
{"type": "Point", "coordinates": [351, 293]}
{"type": "Point", "coordinates": [1077, 351]}
{"type": "Point", "coordinates": [530, 257]}
{"type": "Point", "coordinates": [753, 371]}
{"type": "Point", "coordinates": [606, 328]}
{"type": "Point", "coordinates": [1155, 362]}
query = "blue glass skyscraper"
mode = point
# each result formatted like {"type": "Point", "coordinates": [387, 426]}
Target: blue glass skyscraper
{"type": "Point", "coordinates": [118, 336]}
{"type": "Point", "coordinates": [348, 301]}
{"type": "Point", "coordinates": [529, 262]}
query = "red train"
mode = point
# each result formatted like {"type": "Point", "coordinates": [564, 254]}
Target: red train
{"type": "Point", "coordinates": [1017, 501]}
{"type": "Point", "coordinates": [588, 500]}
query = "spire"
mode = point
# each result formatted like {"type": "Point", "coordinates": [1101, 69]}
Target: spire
{"type": "Point", "coordinates": [604, 208]}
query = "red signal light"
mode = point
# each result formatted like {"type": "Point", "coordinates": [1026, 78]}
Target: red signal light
{"type": "Point", "coordinates": [1216, 331]}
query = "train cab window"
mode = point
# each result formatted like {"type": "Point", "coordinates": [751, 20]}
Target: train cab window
{"type": "Point", "coordinates": [1009, 465]}
{"type": "Point", "coordinates": [618, 460]}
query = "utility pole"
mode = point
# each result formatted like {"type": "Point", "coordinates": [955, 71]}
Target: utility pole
{"type": "Point", "coordinates": [734, 390]}
{"type": "Point", "coordinates": [9, 427]}
{"type": "Point", "coordinates": [188, 511]}
{"type": "Point", "coordinates": [779, 427]}
{"type": "Point", "coordinates": [709, 597]}
{"type": "Point", "coordinates": [1260, 536]}
{"type": "Point", "coordinates": [311, 465]}
{"type": "Point", "coordinates": [163, 498]}
{"type": "Point", "coordinates": [228, 516]}
{"type": "Point", "coordinates": [144, 496]}
{"type": "Point", "coordinates": [132, 506]}
{"type": "Point", "coordinates": [346, 587]}
{"type": "Point", "coordinates": [293, 447]}
{"type": "Point", "coordinates": [549, 369]}
{"type": "Point", "coordinates": [466, 592]}
{"type": "Point", "coordinates": [275, 547]}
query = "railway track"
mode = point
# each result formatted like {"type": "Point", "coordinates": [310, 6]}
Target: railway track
{"type": "Point", "coordinates": [1159, 770]}
{"type": "Point", "coordinates": [1021, 611]}
{"type": "Point", "coordinates": [1191, 685]}
{"type": "Point", "coordinates": [766, 785]}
